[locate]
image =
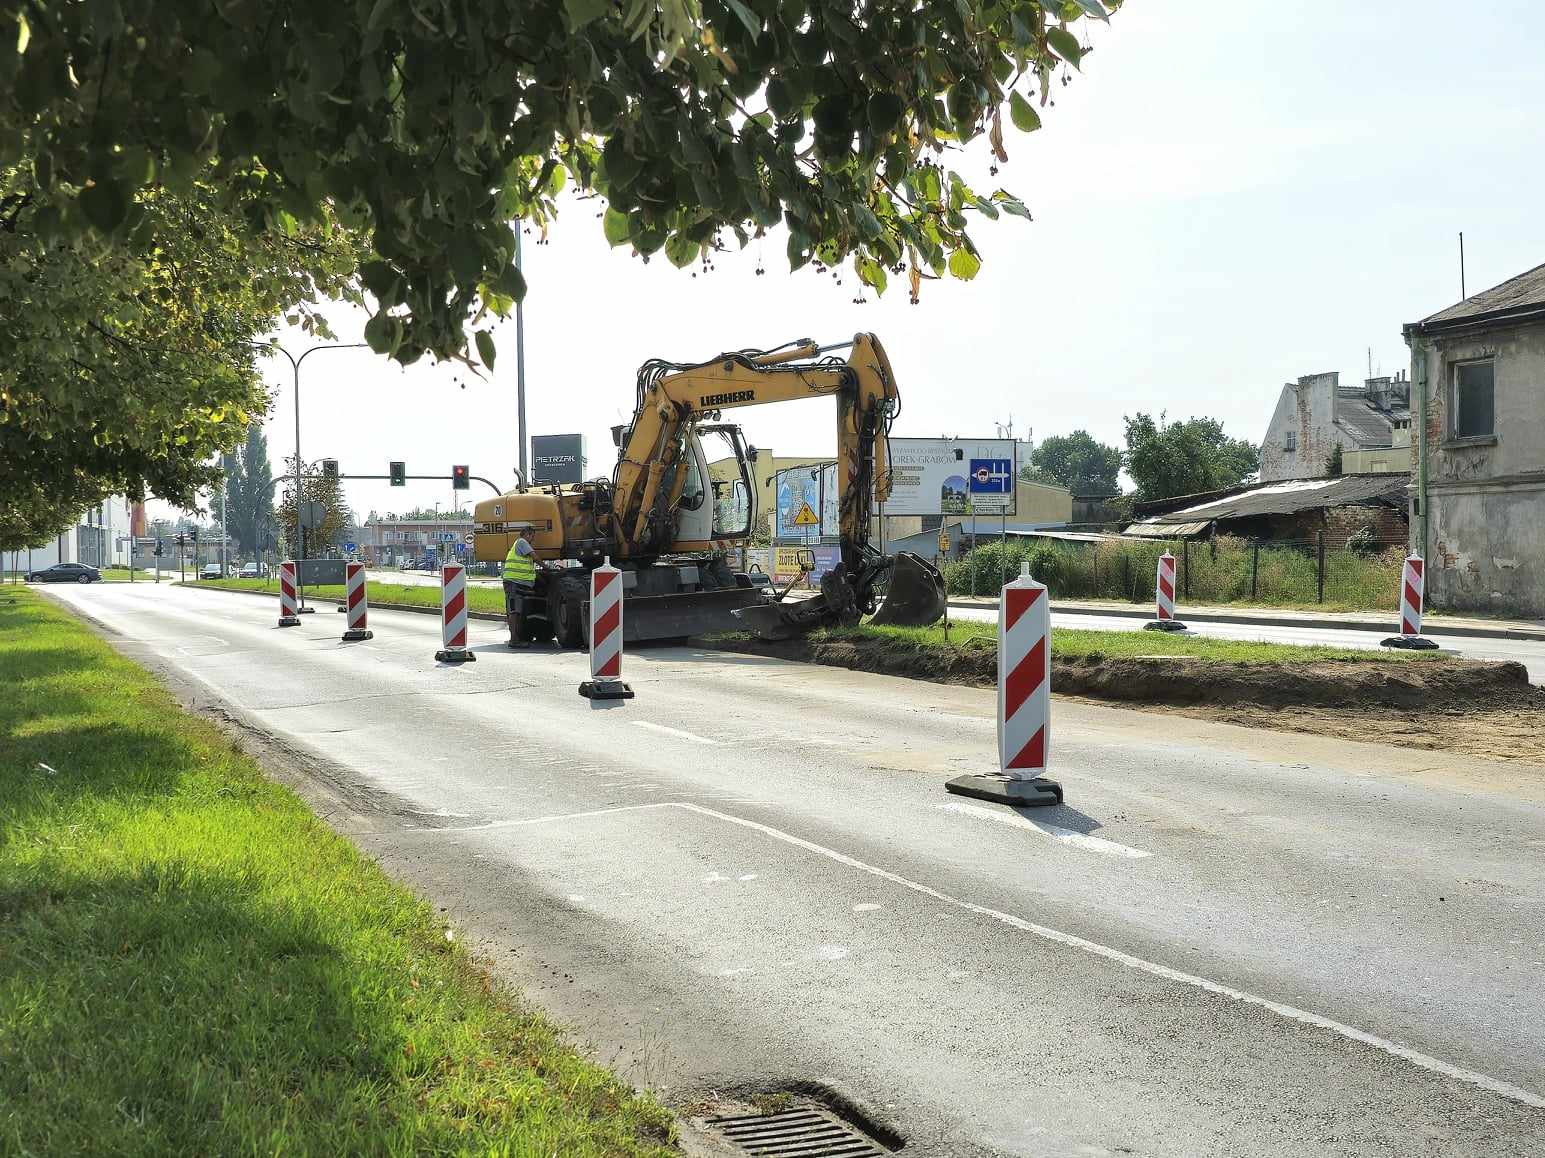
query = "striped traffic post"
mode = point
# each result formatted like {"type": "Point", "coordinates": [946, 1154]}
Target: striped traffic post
{"type": "Point", "coordinates": [1024, 701]}
{"type": "Point", "coordinates": [605, 682]}
{"type": "Point", "coordinates": [287, 616]}
{"type": "Point", "coordinates": [1412, 586]}
{"type": "Point", "coordinates": [1164, 597]}
{"type": "Point", "coordinates": [453, 615]}
{"type": "Point", "coordinates": [355, 602]}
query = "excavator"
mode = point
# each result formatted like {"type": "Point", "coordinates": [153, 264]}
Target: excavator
{"type": "Point", "coordinates": [660, 517]}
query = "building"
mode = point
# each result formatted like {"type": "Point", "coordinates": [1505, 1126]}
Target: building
{"type": "Point", "coordinates": [395, 542]}
{"type": "Point", "coordinates": [102, 537]}
{"type": "Point", "coordinates": [1479, 487]}
{"type": "Point", "coordinates": [1297, 510]}
{"type": "Point", "coordinates": [1316, 414]}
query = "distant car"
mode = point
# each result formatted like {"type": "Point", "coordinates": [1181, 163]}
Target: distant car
{"type": "Point", "coordinates": [211, 571]}
{"type": "Point", "coordinates": [65, 573]}
{"type": "Point", "coordinates": [252, 571]}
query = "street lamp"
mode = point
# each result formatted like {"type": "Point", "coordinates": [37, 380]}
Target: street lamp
{"type": "Point", "coordinates": [295, 365]}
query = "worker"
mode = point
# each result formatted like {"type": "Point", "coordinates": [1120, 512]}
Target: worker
{"type": "Point", "coordinates": [519, 581]}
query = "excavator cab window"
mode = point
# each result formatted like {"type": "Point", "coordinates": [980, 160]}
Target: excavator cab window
{"type": "Point", "coordinates": [694, 492]}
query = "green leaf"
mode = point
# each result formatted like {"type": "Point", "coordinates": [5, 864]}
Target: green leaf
{"type": "Point", "coordinates": [615, 226]}
{"type": "Point", "coordinates": [485, 347]}
{"type": "Point", "coordinates": [1094, 8]}
{"type": "Point", "coordinates": [105, 204]}
{"type": "Point", "coordinates": [583, 12]}
{"type": "Point", "coordinates": [1023, 114]}
{"type": "Point", "coordinates": [747, 17]}
{"type": "Point", "coordinates": [681, 250]}
{"type": "Point", "coordinates": [1065, 45]}
{"type": "Point", "coordinates": [964, 264]}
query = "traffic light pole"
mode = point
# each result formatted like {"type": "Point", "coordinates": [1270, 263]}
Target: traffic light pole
{"type": "Point", "coordinates": [421, 478]}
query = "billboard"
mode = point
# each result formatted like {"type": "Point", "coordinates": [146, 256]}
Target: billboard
{"type": "Point", "coordinates": [952, 476]}
{"type": "Point", "coordinates": [798, 487]}
{"type": "Point", "coordinates": [557, 458]}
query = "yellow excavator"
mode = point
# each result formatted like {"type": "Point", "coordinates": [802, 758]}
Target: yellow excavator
{"type": "Point", "coordinates": [668, 525]}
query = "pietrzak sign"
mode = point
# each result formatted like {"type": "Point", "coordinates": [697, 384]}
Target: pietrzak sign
{"type": "Point", "coordinates": [557, 458]}
{"type": "Point", "coordinates": [949, 476]}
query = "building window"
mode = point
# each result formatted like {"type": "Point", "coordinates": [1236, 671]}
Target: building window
{"type": "Point", "coordinates": [1473, 413]}
{"type": "Point", "coordinates": [1290, 440]}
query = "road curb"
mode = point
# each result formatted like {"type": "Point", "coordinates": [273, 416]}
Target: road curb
{"type": "Point", "coordinates": [490, 616]}
{"type": "Point", "coordinates": [1322, 622]}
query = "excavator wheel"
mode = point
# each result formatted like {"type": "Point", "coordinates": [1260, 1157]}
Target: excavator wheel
{"type": "Point", "coordinates": [566, 611]}
{"type": "Point", "coordinates": [915, 595]}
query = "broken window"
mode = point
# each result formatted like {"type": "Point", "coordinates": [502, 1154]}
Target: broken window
{"type": "Point", "coordinates": [1473, 413]}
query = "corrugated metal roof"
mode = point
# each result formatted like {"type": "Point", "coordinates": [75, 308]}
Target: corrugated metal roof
{"type": "Point", "coordinates": [1285, 498]}
{"type": "Point", "coordinates": [1153, 529]}
{"type": "Point", "coordinates": [1365, 422]}
{"type": "Point", "coordinates": [1527, 289]}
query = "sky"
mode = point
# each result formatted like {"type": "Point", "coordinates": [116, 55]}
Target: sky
{"type": "Point", "coordinates": [1227, 197]}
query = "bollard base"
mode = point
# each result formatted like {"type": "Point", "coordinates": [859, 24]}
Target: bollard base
{"type": "Point", "coordinates": [1165, 625]}
{"type": "Point", "coordinates": [455, 655]}
{"type": "Point", "coordinates": [356, 633]}
{"type": "Point", "coordinates": [1409, 642]}
{"type": "Point", "coordinates": [288, 621]}
{"type": "Point", "coordinates": [306, 611]}
{"type": "Point", "coordinates": [1003, 789]}
{"type": "Point", "coordinates": [605, 690]}
{"type": "Point", "coordinates": [341, 609]}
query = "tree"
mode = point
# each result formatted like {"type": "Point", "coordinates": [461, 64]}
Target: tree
{"type": "Point", "coordinates": [430, 127]}
{"type": "Point", "coordinates": [1333, 462]}
{"type": "Point", "coordinates": [128, 367]}
{"type": "Point", "coordinates": [249, 493]}
{"type": "Point", "coordinates": [314, 488]}
{"type": "Point", "coordinates": [1076, 460]}
{"type": "Point", "coordinates": [1184, 458]}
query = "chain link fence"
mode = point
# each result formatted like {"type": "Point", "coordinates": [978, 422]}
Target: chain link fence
{"type": "Point", "coordinates": [1360, 574]}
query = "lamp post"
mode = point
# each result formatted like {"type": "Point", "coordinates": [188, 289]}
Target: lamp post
{"type": "Point", "coordinates": [295, 365]}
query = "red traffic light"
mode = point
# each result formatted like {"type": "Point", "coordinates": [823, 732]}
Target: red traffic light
{"type": "Point", "coordinates": [460, 477]}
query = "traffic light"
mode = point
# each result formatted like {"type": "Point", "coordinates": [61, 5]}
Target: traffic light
{"type": "Point", "coordinates": [195, 534]}
{"type": "Point", "coordinates": [160, 549]}
{"type": "Point", "coordinates": [460, 479]}
{"type": "Point", "coordinates": [399, 473]}
{"type": "Point", "coordinates": [330, 469]}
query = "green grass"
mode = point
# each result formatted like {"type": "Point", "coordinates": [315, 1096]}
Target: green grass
{"type": "Point", "coordinates": [192, 963]}
{"type": "Point", "coordinates": [1071, 643]}
{"type": "Point", "coordinates": [480, 597]}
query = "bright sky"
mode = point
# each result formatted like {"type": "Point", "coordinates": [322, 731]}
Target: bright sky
{"type": "Point", "coordinates": [1230, 196]}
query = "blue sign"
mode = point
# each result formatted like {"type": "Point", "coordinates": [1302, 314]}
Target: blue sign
{"type": "Point", "coordinates": [351, 547]}
{"type": "Point", "coordinates": [991, 476]}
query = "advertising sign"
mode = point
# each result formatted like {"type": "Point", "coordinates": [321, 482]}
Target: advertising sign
{"type": "Point", "coordinates": [946, 476]}
{"type": "Point", "coordinates": [799, 487]}
{"type": "Point", "coordinates": [831, 506]}
{"type": "Point", "coordinates": [557, 458]}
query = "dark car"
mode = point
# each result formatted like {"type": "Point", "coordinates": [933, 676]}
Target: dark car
{"type": "Point", "coordinates": [65, 573]}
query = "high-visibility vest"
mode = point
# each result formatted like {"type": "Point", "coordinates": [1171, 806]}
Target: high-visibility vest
{"type": "Point", "coordinates": [519, 568]}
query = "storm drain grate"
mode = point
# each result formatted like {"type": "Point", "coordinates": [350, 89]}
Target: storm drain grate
{"type": "Point", "coordinates": [801, 1133]}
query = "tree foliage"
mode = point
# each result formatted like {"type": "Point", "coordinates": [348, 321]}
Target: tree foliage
{"type": "Point", "coordinates": [249, 493]}
{"type": "Point", "coordinates": [1185, 458]}
{"type": "Point", "coordinates": [434, 124]}
{"type": "Point", "coordinates": [1333, 462]}
{"type": "Point", "coordinates": [127, 367]}
{"type": "Point", "coordinates": [314, 487]}
{"type": "Point", "coordinates": [1078, 460]}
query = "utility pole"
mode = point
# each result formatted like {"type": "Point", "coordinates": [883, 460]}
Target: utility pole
{"type": "Point", "coordinates": [1462, 294]}
{"type": "Point", "coordinates": [520, 369]}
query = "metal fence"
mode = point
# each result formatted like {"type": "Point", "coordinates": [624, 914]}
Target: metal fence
{"type": "Point", "coordinates": [1360, 575]}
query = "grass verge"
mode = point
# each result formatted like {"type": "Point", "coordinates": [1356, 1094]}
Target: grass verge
{"type": "Point", "coordinates": [479, 597]}
{"type": "Point", "coordinates": [192, 962]}
{"type": "Point", "coordinates": [1071, 643]}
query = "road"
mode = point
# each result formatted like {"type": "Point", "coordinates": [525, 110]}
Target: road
{"type": "Point", "coordinates": [750, 877]}
{"type": "Point", "coordinates": [1530, 653]}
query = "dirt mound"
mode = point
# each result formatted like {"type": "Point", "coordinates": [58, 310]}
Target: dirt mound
{"type": "Point", "coordinates": [1182, 682]}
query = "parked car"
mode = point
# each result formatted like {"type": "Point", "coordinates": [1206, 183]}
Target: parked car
{"type": "Point", "coordinates": [65, 573]}
{"type": "Point", "coordinates": [211, 571]}
{"type": "Point", "coordinates": [252, 570]}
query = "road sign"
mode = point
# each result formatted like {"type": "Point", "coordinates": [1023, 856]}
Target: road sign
{"type": "Point", "coordinates": [944, 541]}
{"type": "Point", "coordinates": [351, 547]}
{"type": "Point", "coordinates": [991, 476]}
{"type": "Point", "coordinates": [806, 517]}
{"type": "Point", "coordinates": [471, 538]}
{"type": "Point", "coordinates": [312, 515]}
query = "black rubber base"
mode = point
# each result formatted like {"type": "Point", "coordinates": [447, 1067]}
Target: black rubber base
{"type": "Point", "coordinates": [288, 621]}
{"type": "Point", "coordinates": [1002, 789]}
{"type": "Point", "coordinates": [605, 690]}
{"type": "Point", "coordinates": [1164, 625]}
{"type": "Point", "coordinates": [341, 609]}
{"type": "Point", "coordinates": [357, 634]}
{"type": "Point", "coordinates": [1409, 643]}
{"type": "Point", "coordinates": [455, 655]}
{"type": "Point", "coordinates": [306, 611]}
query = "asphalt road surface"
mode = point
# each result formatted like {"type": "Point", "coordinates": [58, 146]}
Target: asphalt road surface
{"type": "Point", "coordinates": [1228, 942]}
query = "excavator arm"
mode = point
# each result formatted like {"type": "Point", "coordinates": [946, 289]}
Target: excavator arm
{"type": "Point", "coordinates": [651, 470]}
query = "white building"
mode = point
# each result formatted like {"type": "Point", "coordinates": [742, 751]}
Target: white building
{"type": "Point", "coordinates": [101, 537]}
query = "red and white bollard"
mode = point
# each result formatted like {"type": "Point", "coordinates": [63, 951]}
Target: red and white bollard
{"type": "Point", "coordinates": [1412, 586]}
{"type": "Point", "coordinates": [1164, 597]}
{"type": "Point", "coordinates": [287, 616]}
{"type": "Point", "coordinates": [605, 682]}
{"type": "Point", "coordinates": [355, 602]}
{"type": "Point", "coordinates": [453, 615]}
{"type": "Point", "coordinates": [1024, 701]}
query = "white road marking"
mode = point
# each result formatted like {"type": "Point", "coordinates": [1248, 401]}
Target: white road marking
{"type": "Point", "coordinates": [1065, 835]}
{"type": "Point", "coordinates": [865, 908]}
{"type": "Point", "coordinates": [1281, 1009]}
{"type": "Point", "coordinates": [677, 732]}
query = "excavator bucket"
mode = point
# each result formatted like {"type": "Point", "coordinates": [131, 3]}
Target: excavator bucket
{"type": "Point", "coordinates": [915, 596]}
